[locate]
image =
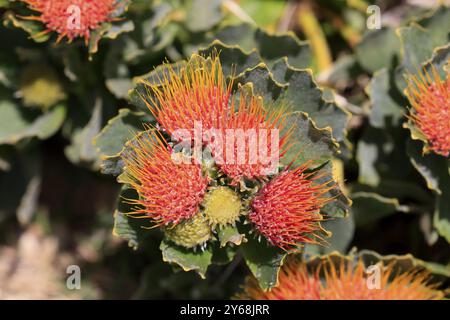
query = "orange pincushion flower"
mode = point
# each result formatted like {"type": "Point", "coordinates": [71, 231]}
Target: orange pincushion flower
{"type": "Point", "coordinates": [286, 211]}
{"type": "Point", "coordinates": [346, 281]}
{"type": "Point", "coordinates": [198, 93]}
{"type": "Point", "coordinates": [430, 98]}
{"type": "Point", "coordinates": [61, 16]}
{"type": "Point", "coordinates": [169, 191]}
{"type": "Point", "coordinates": [259, 140]}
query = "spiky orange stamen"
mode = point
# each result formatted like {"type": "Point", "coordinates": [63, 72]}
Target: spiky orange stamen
{"type": "Point", "coordinates": [253, 127]}
{"type": "Point", "coordinates": [197, 93]}
{"type": "Point", "coordinates": [168, 192]}
{"type": "Point", "coordinates": [59, 16]}
{"type": "Point", "coordinates": [429, 96]}
{"type": "Point", "coordinates": [286, 211]}
{"type": "Point", "coordinates": [344, 281]}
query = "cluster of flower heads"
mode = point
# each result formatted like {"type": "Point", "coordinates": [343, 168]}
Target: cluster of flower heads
{"type": "Point", "coordinates": [72, 19]}
{"type": "Point", "coordinates": [189, 198]}
{"type": "Point", "coordinates": [344, 280]}
{"type": "Point", "coordinates": [429, 96]}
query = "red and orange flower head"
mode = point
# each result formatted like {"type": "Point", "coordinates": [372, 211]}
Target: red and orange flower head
{"type": "Point", "coordinates": [255, 139]}
{"type": "Point", "coordinates": [429, 96]}
{"type": "Point", "coordinates": [197, 93]}
{"type": "Point", "coordinates": [331, 280]}
{"type": "Point", "coordinates": [72, 18]}
{"type": "Point", "coordinates": [286, 211]}
{"type": "Point", "coordinates": [170, 190]}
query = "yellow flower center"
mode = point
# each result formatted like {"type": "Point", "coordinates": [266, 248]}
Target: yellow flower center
{"type": "Point", "coordinates": [190, 233]}
{"type": "Point", "coordinates": [222, 206]}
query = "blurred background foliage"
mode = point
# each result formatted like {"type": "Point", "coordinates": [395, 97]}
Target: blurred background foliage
{"type": "Point", "coordinates": [56, 208]}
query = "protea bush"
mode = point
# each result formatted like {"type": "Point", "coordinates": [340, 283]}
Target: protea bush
{"type": "Point", "coordinates": [226, 149]}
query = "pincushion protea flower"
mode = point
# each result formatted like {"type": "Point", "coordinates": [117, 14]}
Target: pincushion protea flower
{"type": "Point", "coordinates": [286, 211]}
{"type": "Point", "coordinates": [343, 281]}
{"type": "Point", "coordinates": [61, 16]}
{"type": "Point", "coordinates": [197, 93]}
{"type": "Point", "coordinates": [429, 96]}
{"type": "Point", "coordinates": [169, 192]}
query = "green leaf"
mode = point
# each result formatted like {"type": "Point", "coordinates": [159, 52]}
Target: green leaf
{"type": "Point", "coordinates": [116, 71]}
{"type": "Point", "coordinates": [117, 29]}
{"type": "Point", "coordinates": [33, 28]}
{"type": "Point", "coordinates": [439, 60]}
{"type": "Point", "coordinates": [386, 110]}
{"type": "Point", "coordinates": [378, 49]}
{"type": "Point", "coordinates": [271, 47]}
{"type": "Point", "coordinates": [368, 207]}
{"type": "Point", "coordinates": [405, 262]}
{"type": "Point", "coordinates": [20, 185]}
{"type": "Point", "coordinates": [312, 144]}
{"type": "Point", "coordinates": [262, 82]}
{"type": "Point", "coordinates": [127, 226]}
{"type": "Point", "coordinates": [441, 217]}
{"type": "Point", "coordinates": [432, 167]}
{"type": "Point", "coordinates": [341, 204]}
{"type": "Point", "coordinates": [223, 255]}
{"type": "Point", "coordinates": [187, 259]}
{"type": "Point", "coordinates": [202, 15]}
{"type": "Point", "coordinates": [110, 30]}
{"type": "Point", "coordinates": [230, 234]}
{"type": "Point", "coordinates": [112, 138]}
{"type": "Point", "coordinates": [418, 41]}
{"type": "Point", "coordinates": [18, 123]}
{"type": "Point", "coordinates": [417, 45]}
{"type": "Point", "coordinates": [140, 90]}
{"type": "Point", "coordinates": [297, 90]}
{"type": "Point", "coordinates": [264, 13]}
{"type": "Point", "coordinates": [264, 261]}
{"type": "Point", "coordinates": [123, 228]}
{"type": "Point", "coordinates": [303, 94]}
{"type": "Point", "coordinates": [82, 150]}
{"type": "Point", "coordinates": [435, 169]}
{"type": "Point", "coordinates": [379, 158]}
{"type": "Point", "coordinates": [342, 231]}
{"type": "Point", "coordinates": [233, 59]}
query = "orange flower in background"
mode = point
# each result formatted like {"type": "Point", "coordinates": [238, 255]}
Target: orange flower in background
{"type": "Point", "coordinates": [169, 191]}
{"type": "Point", "coordinates": [343, 281]}
{"type": "Point", "coordinates": [429, 96]}
{"type": "Point", "coordinates": [286, 211]}
{"type": "Point", "coordinates": [72, 18]}
{"type": "Point", "coordinates": [197, 93]}
{"type": "Point", "coordinates": [260, 140]}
